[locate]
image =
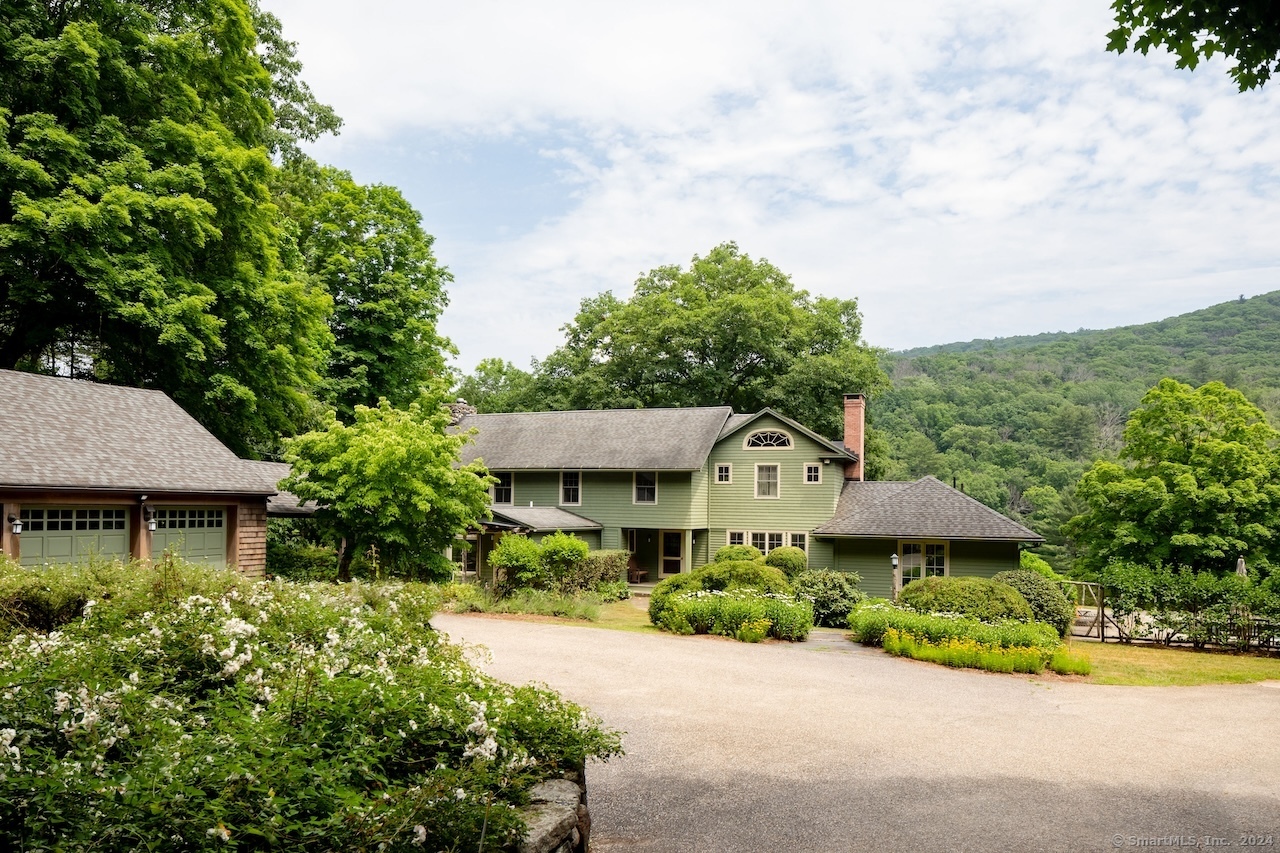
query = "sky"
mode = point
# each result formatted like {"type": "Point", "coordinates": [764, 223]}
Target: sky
{"type": "Point", "coordinates": [964, 170]}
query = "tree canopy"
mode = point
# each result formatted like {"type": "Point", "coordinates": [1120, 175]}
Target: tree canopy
{"type": "Point", "coordinates": [391, 478]}
{"type": "Point", "coordinates": [365, 246]}
{"type": "Point", "coordinates": [1200, 487]}
{"type": "Point", "coordinates": [1192, 30]}
{"type": "Point", "coordinates": [138, 239]}
{"type": "Point", "coordinates": [728, 330]}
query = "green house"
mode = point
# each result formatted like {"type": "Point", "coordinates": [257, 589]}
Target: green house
{"type": "Point", "coordinates": [672, 486]}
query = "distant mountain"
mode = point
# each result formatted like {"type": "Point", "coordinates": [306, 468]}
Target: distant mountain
{"type": "Point", "coordinates": [1017, 420]}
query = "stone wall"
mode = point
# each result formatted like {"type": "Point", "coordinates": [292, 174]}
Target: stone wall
{"type": "Point", "coordinates": [557, 816]}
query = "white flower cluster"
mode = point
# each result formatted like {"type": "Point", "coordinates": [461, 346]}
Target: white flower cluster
{"type": "Point", "coordinates": [480, 741]}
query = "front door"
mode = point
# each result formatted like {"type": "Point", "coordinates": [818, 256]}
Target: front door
{"type": "Point", "coordinates": [672, 552]}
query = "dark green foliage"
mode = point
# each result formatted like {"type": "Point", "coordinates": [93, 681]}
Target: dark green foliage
{"type": "Point", "coordinates": [996, 415]}
{"type": "Point", "coordinates": [191, 704]}
{"type": "Point", "coordinates": [833, 594]}
{"type": "Point", "coordinates": [980, 598]}
{"type": "Point", "coordinates": [1196, 607]}
{"type": "Point", "coordinates": [302, 561]}
{"type": "Point", "coordinates": [1192, 30]}
{"type": "Point", "coordinates": [738, 552]}
{"type": "Point", "coordinates": [1048, 604]}
{"type": "Point", "coordinates": [562, 553]}
{"type": "Point", "coordinates": [559, 563]}
{"type": "Point", "coordinates": [792, 561]}
{"type": "Point", "coordinates": [870, 620]}
{"type": "Point", "coordinates": [140, 242]}
{"type": "Point", "coordinates": [728, 575]}
{"type": "Point", "coordinates": [602, 567]}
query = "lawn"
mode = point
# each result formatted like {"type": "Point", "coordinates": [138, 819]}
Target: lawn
{"type": "Point", "coordinates": [1155, 666]}
{"type": "Point", "coordinates": [629, 615]}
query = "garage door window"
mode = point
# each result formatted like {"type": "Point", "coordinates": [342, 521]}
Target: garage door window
{"type": "Point", "coordinates": [186, 519]}
{"type": "Point", "coordinates": [41, 520]}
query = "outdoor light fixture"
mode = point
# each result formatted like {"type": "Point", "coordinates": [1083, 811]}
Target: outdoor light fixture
{"type": "Point", "coordinates": [15, 524]}
{"type": "Point", "coordinates": [893, 560]}
{"type": "Point", "coordinates": [150, 513]}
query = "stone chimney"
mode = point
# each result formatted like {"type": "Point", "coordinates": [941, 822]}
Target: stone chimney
{"type": "Point", "coordinates": [855, 423]}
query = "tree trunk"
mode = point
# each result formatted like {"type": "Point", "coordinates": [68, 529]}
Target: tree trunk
{"type": "Point", "coordinates": [345, 555]}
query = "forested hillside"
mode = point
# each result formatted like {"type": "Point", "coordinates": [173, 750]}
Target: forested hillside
{"type": "Point", "coordinates": [1018, 420]}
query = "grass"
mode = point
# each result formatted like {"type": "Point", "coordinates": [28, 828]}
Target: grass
{"type": "Point", "coordinates": [630, 615]}
{"type": "Point", "coordinates": [1147, 666]}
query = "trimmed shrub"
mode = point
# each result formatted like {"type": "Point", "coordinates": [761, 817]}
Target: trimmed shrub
{"type": "Point", "coordinates": [562, 557]}
{"type": "Point", "coordinates": [605, 566]}
{"type": "Point", "coordinates": [738, 552]}
{"type": "Point", "coordinates": [833, 594]}
{"type": "Point", "coordinates": [302, 561]}
{"type": "Point", "coordinates": [738, 613]}
{"type": "Point", "coordinates": [980, 598]}
{"type": "Point", "coordinates": [1035, 563]}
{"type": "Point", "coordinates": [792, 561]}
{"type": "Point", "coordinates": [732, 574]}
{"type": "Point", "coordinates": [611, 591]}
{"type": "Point", "coordinates": [870, 620]}
{"type": "Point", "coordinates": [206, 712]}
{"type": "Point", "coordinates": [517, 562]}
{"type": "Point", "coordinates": [1045, 597]}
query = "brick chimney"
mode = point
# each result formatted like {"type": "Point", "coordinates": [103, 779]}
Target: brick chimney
{"type": "Point", "coordinates": [855, 422]}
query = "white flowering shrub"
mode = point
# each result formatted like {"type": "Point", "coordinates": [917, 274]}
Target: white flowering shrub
{"type": "Point", "coordinates": [185, 709]}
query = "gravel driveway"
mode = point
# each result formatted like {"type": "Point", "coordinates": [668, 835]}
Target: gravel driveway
{"type": "Point", "coordinates": [829, 746]}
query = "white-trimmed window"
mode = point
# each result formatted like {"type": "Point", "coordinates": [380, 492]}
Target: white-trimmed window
{"type": "Point", "coordinates": [766, 540]}
{"type": "Point", "coordinates": [812, 473]}
{"type": "Point", "coordinates": [737, 537]}
{"type": "Point", "coordinates": [724, 472]}
{"type": "Point", "coordinates": [503, 491]}
{"type": "Point", "coordinates": [646, 487]}
{"type": "Point", "coordinates": [799, 540]}
{"type": "Point", "coordinates": [767, 476]}
{"type": "Point", "coordinates": [922, 560]}
{"type": "Point", "coordinates": [767, 439]}
{"type": "Point", "coordinates": [570, 488]}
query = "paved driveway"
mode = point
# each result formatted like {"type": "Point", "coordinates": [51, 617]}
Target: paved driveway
{"type": "Point", "coordinates": [828, 746]}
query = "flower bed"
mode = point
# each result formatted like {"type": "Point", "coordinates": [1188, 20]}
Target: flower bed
{"type": "Point", "coordinates": [744, 614]}
{"type": "Point", "coordinates": [195, 710]}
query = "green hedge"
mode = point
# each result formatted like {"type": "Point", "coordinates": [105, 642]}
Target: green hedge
{"type": "Point", "coordinates": [731, 574]}
{"type": "Point", "coordinates": [832, 594]}
{"type": "Point", "coordinates": [980, 598]}
{"type": "Point", "coordinates": [204, 712]}
{"type": "Point", "coordinates": [1047, 602]}
{"type": "Point", "coordinates": [792, 561]}
{"type": "Point", "coordinates": [870, 620]}
{"type": "Point", "coordinates": [301, 561]}
{"type": "Point", "coordinates": [737, 552]}
{"type": "Point", "coordinates": [740, 613]}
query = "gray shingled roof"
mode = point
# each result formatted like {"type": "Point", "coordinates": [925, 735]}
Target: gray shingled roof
{"type": "Point", "coordinates": [610, 439]}
{"type": "Point", "coordinates": [544, 518]}
{"type": "Point", "coordinates": [72, 434]}
{"type": "Point", "coordinates": [737, 422]}
{"type": "Point", "coordinates": [284, 504]}
{"type": "Point", "coordinates": [924, 509]}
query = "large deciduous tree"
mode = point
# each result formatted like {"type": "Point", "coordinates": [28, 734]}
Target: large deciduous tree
{"type": "Point", "coordinates": [1247, 31]}
{"type": "Point", "coordinates": [139, 242]}
{"type": "Point", "coordinates": [391, 478]}
{"type": "Point", "coordinates": [1200, 487]}
{"type": "Point", "coordinates": [366, 247]}
{"type": "Point", "coordinates": [726, 330]}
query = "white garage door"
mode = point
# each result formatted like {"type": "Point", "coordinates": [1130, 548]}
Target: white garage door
{"type": "Point", "coordinates": [68, 534]}
{"type": "Point", "coordinates": [198, 534]}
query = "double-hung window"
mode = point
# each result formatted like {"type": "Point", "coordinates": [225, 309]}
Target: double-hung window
{"type": "Point", "coordinates": [571, 487]}
{"type": "Point", "coordinates": [766, 480]}
{"type": "Point", "coordinates": [504, 489]}
{"type": "Point", "coordinates": [646, 487]}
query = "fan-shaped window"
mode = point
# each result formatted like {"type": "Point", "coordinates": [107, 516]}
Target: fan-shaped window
{"type": "Point", "coordinates": [768, 439]}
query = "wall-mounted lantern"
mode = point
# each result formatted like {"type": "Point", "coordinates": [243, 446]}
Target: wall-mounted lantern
{"type": "Point", "coordinates": [149, 512]}
{"type": "Point", "coordinates": [897, 575]}
{"type": "Point", "coordinates": [15, 524]}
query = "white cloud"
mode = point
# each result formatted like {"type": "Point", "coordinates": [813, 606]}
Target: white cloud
{"type": "Point", "coordinates": [965, 169]}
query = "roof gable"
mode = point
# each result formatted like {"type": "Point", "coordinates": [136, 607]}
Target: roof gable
{"type": "Point", "coordinates": [737, 423]}
{"type": "Point", "coordinates": [73, 434]}
{"type": "Point", "coordinates": [606, 439]}
{"type": "Point", "coordinates": [923, 509]}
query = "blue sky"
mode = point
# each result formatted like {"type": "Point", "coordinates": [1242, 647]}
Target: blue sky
{"type": "Point", "coordinates": [964, 170]}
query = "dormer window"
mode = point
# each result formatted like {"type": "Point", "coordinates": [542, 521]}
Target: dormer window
{"type": "Point", "coordinates": [768, 439]}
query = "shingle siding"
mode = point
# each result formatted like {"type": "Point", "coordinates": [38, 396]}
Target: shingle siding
{"type": "Point", "coordinates": [253, 539]}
